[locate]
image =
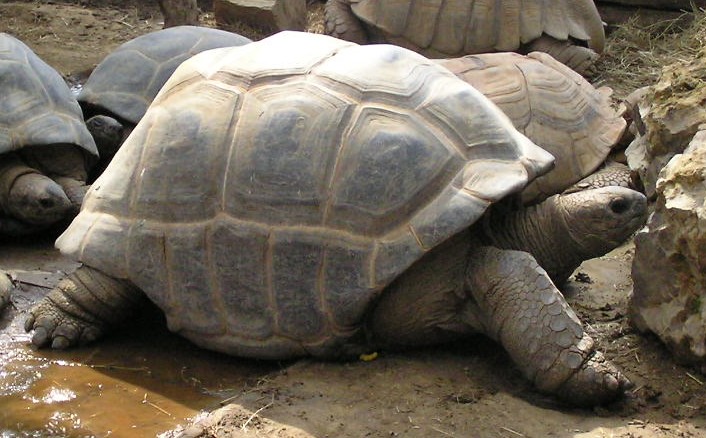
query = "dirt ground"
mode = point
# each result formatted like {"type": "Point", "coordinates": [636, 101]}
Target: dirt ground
{"type": "Point", "coordinates": [461, 390]}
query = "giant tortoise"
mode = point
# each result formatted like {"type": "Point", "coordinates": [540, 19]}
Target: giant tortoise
{"type": "Point", "coordinates": [570, 30]}
{"type": "Point", "coordinates": [304, 195]}
{"type": "Point", "coordinates": [558, 110]}
{"type": "Point", "coordinates": [45, 148]}
{"type": "Point", "coordinates": [122, 86]}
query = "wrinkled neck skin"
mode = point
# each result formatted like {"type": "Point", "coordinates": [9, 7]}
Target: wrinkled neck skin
{"type": "Point", "coordinates": [66, 161]}
{"type": "Point", "coordinates": [543, 230]}
{"type": "Point", "coordinates": [11, 168]}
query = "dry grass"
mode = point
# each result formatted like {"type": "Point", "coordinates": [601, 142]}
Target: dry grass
{"type": "Point", "coordinates": [635, 54]}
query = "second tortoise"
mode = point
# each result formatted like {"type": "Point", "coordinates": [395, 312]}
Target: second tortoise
{"type": "Point", "coordinates": [569, 30]}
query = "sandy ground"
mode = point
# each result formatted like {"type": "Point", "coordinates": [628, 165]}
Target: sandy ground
{"type": "Point", "coordinates": [461, 390]}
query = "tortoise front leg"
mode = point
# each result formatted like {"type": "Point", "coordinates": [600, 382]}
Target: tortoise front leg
{"type": "Point", "coordinates": [81, 308]}
{"type": "Point", "coordinates": [341, 22]}
{"type": "Point", "coordinates": [526, 313]}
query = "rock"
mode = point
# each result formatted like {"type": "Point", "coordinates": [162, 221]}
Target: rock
{"type": "Point", "coordinates": [269, 15]}
{"type": "Point", "coordinates": [669, 268]}
{"type": "Point", "coordinates": [671, 112]}
{"type": "Point", "coordinates": [236, 421]}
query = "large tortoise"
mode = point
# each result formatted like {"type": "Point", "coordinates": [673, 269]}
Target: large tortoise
{"type": "Point", "coordinates": [558, 110]}
{"type": "Point", "coordinates": [303, 195]}
{"type": "Point", "coordinates": [122, 86]}
{"type": "Point", "coordinates": [45, 148]}
{"type": "Point", "coordinates": [569, 30]}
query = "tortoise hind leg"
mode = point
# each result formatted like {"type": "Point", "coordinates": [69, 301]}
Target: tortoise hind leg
{"type": "Point", "coordinates": [579, 58]}
{"type": "Point", "coordinates": [421, 306]}
{"type": "Point", "coordinates": [522, 309]}
{"type": "Point", "coordinates": [341, 22]}
{"type": "Point", "coordinates": [81, 308]}
{"type": "Point", "coordinates": [612, 173]}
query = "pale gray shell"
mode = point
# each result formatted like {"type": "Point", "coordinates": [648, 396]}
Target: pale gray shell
{"type": "Point", "coordinates": [127, 80]}
{"type": "Point", "coordinates": [273, 190]}
{"type": "Point", "coordinates": [551, 104]}
{"type": "Point", "coordinates": [37, 108]}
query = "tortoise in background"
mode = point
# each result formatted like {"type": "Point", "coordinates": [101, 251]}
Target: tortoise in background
{"type": "Point", "coordinates": [45, 149]}
{"type": "Point", "coordinates": [122, 86]}
{"type": "Point", "coordinates": [558, 110]}
{"type": "Point", "coordinates": [303, 195]}
{"type": "Point", "coordinates": [6, 287]}
{"type": "Point", "coordinates": [569, 30]}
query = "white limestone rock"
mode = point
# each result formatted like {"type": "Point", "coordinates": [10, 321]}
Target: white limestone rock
{"type": "Point", "coordinates": [669, 269]}
{"type": "Point", "coordinates": [670, 113]}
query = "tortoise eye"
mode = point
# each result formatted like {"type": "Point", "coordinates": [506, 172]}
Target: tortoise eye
{"type": "Point", "coordinates": [619, 206]}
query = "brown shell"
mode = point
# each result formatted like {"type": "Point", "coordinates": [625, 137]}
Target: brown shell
{"type": "Point", "coordinates": [552, 105]}
{"type": "Point", "coordinates": [446, 28]}
{"type": "Point", "coordinates": [272, 190]}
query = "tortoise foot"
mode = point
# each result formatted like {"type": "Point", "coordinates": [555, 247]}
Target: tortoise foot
{"type": "Point", "coordinates": [81, 308]}
{"type": "Point", "coordinates": [597, 382]}
{"type": "Point", "coordinates": [54, 325]}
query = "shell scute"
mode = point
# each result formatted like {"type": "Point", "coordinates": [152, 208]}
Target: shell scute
{"type": "Point", "coordinates": [390, 164]}
{"type": "Point", "coordinates": [299, 304]}
{"type": "Point", "coordinates": [242, 276]}
{"type": "Point", "coordinates": [283, 154]}
{"type": "Point", "coordinates": [193, 303]}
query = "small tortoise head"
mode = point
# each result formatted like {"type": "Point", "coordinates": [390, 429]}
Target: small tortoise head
{"type": "Point", "coordinates": [108, 134]}
{"type": "Point", "coordinates": [603, 218]}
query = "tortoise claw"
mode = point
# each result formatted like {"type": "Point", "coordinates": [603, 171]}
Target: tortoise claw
{"type": "Point", "coordinates": [597, 382]}
{"type": "Point", "coordinates": [55, 327]}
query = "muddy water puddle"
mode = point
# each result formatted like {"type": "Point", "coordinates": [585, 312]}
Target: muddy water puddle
{"type": "Point", "coordinates": [140, 381]}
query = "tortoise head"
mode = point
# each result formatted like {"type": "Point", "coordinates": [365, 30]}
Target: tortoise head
{"type": "Point", "coordinates": [600, 219]}
{"type": "Point", "coordinates": [37, 199]}
{"type": "Point", "coordinates": [107, 132]}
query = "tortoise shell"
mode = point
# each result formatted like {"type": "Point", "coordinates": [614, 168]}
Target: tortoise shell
{"type": "Point", "coordinates": [552, 105]}
{"type": "Point", "coordinates": [273, 190]}
{"type": "Point", "coordinates": [37, 108]}
{"type": "Point", "coordinates": [126, 81]}
{"type": "Point", "coordinates": [446, 28]}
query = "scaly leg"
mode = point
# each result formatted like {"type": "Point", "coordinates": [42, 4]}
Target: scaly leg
{"type": "Point", "coordinates": [612, 174]}
{"type": "Point", "coordinates": [341, 22]}
{"type": "Point", "coordinates": [81, 308]}
{"type": "Point", "coordinates": [579, 58]}
{"type": "Point", "coordinates": [526, 313]}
